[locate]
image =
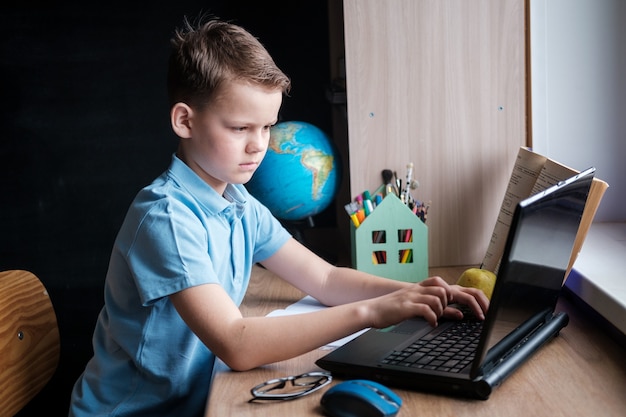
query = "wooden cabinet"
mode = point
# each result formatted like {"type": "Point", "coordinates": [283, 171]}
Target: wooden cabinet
{"type": "Point", "coordinates": [441, 84]}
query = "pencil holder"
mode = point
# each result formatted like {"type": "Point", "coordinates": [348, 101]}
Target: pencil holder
{"type": "Point", "coordinates": [391, 242]}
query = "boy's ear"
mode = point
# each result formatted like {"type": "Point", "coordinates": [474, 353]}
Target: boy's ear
{"type": "Point", "coordinates": [180, 117]}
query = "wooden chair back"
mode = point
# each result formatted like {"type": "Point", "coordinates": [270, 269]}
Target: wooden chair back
{"type": "Point", "coordinates": [29, 339]}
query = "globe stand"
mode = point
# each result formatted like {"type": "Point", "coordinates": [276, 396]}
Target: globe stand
{"type": "Point", "coordinates": [296, 228]}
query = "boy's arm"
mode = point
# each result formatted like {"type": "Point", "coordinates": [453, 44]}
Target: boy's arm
{"type": "Point", "coordinates": [330, 285]}
{"type": "Point", "coordinates": [247, 342]}
{"type": "Point", "coordinates": [333, 285]}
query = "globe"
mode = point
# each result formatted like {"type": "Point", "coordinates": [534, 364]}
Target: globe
{"type": "Point", "coordinates": [300, 174]}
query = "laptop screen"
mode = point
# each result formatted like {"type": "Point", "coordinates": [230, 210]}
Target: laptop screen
{"type": "Point", "coordinates": [533, 266]}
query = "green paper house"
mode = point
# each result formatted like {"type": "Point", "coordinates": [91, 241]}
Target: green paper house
{"type": "Point", "coordinates": [391, 242]}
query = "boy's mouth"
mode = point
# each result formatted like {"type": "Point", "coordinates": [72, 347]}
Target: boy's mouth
{"type": "Point", "coordinates": [249, 165]}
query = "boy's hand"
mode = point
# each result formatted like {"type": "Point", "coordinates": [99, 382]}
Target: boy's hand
{"type": "Point", "coordinates": [428, 299]}
{"type": "Point", "coordinates": [474, 298]}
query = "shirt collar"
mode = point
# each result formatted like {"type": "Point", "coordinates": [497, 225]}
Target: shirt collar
{"type": "Point", "coordinates": [233, 200]}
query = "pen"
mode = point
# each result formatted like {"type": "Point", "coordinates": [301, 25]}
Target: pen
{"type": "Point", "coordinates": [398, 182]}
{"type": "Point", "coordinates": [407, 185]}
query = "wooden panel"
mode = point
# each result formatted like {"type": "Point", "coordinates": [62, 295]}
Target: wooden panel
{"type": "Point", "coordinates": [29, 339]}
{"type": "Point", "coordinates": [440, 84]}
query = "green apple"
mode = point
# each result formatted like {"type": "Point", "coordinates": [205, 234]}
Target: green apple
{"type": "Point", "coordinates": [482, 279]}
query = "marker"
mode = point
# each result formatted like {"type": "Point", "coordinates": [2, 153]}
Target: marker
{"type": "Point", "coordinates": [355, 220]}
{"type": "Point", "coordinates": [367, 203]}
{"type": "Point", "coordinates": [360, 214]}
{"type": "Point", "coordinates": [351, 209]}
{"type": "Point", "coordinates": [405, 256]}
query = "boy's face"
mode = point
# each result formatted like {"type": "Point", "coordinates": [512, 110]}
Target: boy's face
{"type": "Point", "coordinates": [229, 138]}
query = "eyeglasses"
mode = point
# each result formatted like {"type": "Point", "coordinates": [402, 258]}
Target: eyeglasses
{"type": "Point", "coordinates": [300, 385]}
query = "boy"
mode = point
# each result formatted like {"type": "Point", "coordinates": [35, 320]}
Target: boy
{"type": "Point", "coordinates": [181, 262]}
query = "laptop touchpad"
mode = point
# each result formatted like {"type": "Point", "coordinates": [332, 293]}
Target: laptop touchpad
{"type": "Point", "coordinates": [407, 327]}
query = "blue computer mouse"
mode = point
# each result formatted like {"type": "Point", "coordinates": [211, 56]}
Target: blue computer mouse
{"type": "Point", "coordinates": [360, 398]}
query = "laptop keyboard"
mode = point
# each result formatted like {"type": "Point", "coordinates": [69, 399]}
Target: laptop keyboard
{"type": "Point", "coordinates": [450, 350]}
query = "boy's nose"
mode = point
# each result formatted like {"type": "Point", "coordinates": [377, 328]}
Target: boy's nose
{"type": "Point", "coordinates": [258, 142]}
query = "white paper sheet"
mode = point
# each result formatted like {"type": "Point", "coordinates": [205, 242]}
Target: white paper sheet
{"type": "Point", "coordinates": [307, 305]}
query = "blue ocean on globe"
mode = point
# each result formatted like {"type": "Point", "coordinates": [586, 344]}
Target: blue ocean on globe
{"type": "Point", "coordinates": [300, 174]}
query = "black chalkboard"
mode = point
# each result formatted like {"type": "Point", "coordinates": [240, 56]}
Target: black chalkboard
{"type": "Point", "coordinates": [85, 125]}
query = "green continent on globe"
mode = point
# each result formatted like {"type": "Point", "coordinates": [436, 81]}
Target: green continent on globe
{"type": "Point", "coordinates": [319, 163]}
{"type": "Point", "coordinates": [300, 174]}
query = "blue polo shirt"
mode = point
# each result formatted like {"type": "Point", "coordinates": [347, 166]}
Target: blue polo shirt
{"type": "Point", "coordinates": [178, 233]}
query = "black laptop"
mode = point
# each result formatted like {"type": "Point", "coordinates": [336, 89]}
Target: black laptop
{"type": "Point", "coordinates": [471, 357]}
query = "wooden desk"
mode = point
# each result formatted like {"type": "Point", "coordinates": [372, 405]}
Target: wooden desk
{"type": "Point", "coordinates": [582, 372]}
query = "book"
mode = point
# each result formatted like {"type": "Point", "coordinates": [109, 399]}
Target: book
{"type": "Point", "coordinates": [532, 173]}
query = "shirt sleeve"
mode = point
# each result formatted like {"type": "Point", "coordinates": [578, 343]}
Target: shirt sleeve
{"type": "Point", "coordinates": [169, 253]}
{"type": "Point", "coordinates": [270, 233]}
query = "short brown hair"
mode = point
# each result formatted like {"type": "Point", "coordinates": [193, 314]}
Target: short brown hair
{"type": "Point", "coordinates": [214, 52]}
